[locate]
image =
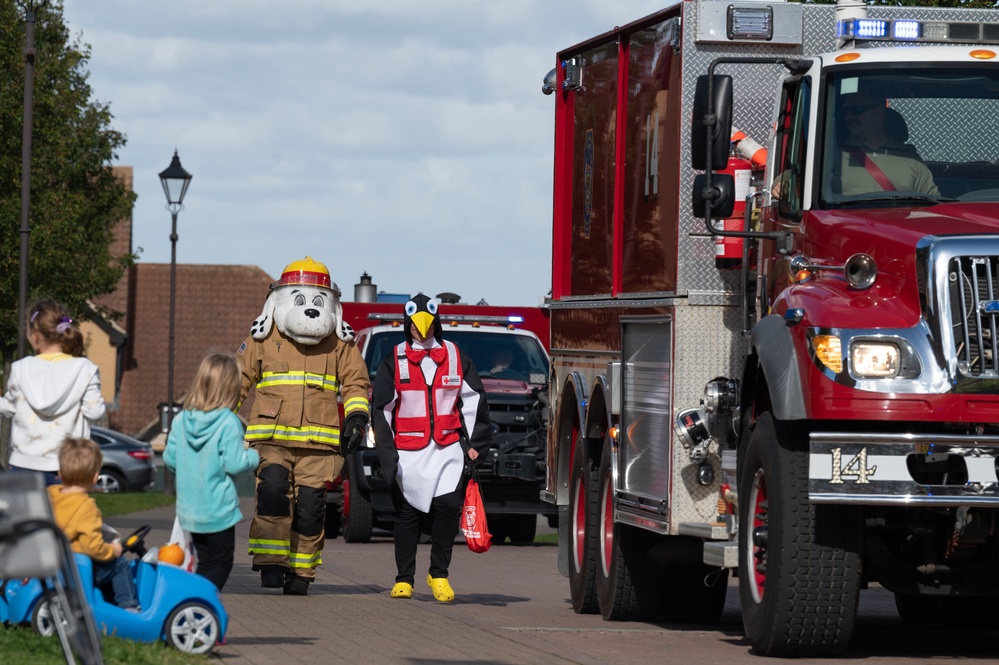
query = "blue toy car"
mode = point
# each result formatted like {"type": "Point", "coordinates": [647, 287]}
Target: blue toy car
{"type": "Point", "coordinates": [177, 606]}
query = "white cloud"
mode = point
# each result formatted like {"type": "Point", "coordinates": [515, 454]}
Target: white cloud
{"type": "Point", "coordinates": [372, 136]}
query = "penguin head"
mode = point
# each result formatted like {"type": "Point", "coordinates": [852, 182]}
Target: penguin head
{"type": "Point", "coordinates": [421, 311]}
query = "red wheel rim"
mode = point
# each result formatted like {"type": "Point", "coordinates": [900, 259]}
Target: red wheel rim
{"type": "Point", "coordinates": [761, 520]}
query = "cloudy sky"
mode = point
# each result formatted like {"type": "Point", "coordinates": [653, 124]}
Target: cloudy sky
{"type": "Point", "coordinates": [408, 139]}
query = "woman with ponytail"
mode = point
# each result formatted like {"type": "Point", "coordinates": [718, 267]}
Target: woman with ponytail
{"type": "Point", "coordinates": [51, 395]}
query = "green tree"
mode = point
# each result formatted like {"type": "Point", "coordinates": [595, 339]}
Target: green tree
{"type": "Point", "coordinates": [75, 199]}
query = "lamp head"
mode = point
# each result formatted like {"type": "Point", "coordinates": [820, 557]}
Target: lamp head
{"type": "Point", "coordinates": [175, 181]}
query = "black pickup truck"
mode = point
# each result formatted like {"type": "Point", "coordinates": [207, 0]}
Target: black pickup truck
{"type": "Point", "coordinates": [513, 365]}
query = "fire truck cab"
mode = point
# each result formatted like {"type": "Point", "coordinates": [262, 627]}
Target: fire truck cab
{"type": "Point", "coordinates": [779, 362]}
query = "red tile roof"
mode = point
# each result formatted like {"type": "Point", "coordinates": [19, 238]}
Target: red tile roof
{"type": "Point", "coordinates": [215, 305]}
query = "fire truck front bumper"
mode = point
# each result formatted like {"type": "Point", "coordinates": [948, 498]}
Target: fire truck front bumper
{"type": "Point", "coordinates": [903, 469]}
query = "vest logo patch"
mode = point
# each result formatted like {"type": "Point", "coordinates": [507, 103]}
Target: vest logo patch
{"type": "Point", "coordinates": [451, 380]}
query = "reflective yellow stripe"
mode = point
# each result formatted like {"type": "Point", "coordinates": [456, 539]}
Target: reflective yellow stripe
{"type": "Point", "coordinates": [355, 404]}
{"type": "Point", "coordinates": [281, 547]}
{"type": "Point", "coordinates": [271, 379]}
{"type": "Point", "coordinates": [317, 433]}
{"type": "Point", "coordinates": [299, 560]}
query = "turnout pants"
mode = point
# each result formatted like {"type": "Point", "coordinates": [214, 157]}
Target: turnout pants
{"type": "Point", "coordinates": [287, 528]}
{"type": "Point", "coordinates": [444, 514]}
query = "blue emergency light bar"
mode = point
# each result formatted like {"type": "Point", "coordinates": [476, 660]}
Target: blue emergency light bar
{"type": "Point", "coordinates": [908, 30]}
{"type": "Point", "coordinates": [454, 318]}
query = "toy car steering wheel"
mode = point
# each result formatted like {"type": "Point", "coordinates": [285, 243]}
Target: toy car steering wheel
{"type": "Point", "coordinates": [134, 541]}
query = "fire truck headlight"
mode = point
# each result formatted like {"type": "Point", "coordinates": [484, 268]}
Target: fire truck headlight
{"type": "Point", "coordinates": [873, 360]}
{"type": "Point", "coordinates": [829, 351]}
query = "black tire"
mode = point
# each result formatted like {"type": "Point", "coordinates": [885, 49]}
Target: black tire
{"type": "Point", "coordinates": [358, 515]}
{"type": "Point", "coordinates": [523, 528]}
{"type": "Point", "coordinates": [799, 564]}
{"type": "Point", "coordinates": [192, 628]}
{"type": "Point", "coordinates": [583, 529]}
{"type": "Point", "coordinates": [628, 581]}
{"type": "Point", "coordinates": [42, 621]}
{"type": "Point", "coordinates": [109, 481]}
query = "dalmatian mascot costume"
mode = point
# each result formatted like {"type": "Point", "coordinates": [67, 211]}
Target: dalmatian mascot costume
{"type": "Point", "coordinates": [301, 358]}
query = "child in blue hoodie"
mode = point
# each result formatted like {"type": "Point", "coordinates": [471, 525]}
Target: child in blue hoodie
{"type": "Point", "coordinates": [205, 450]}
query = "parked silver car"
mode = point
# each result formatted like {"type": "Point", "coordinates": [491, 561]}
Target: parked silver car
{"type": "Point", "coordinates": [129, 464]}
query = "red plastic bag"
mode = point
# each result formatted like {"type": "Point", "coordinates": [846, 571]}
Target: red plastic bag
{"type": "Point", "coordinates": [473, 524]}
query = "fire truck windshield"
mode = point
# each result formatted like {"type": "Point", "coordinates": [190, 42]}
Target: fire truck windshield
{"type": "Point", "coordinates": [919, 134]}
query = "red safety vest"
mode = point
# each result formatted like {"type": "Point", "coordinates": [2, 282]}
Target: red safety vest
{"type": "Point", "coordinates": [412, 422]}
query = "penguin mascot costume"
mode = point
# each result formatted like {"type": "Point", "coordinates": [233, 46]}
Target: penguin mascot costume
{"type": "Point", "coordinates": [429, 415]}
{"type": "Point", "coordinates": [301, 358]}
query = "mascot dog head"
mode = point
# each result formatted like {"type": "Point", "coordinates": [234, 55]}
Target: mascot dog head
{"type": "Point", "coordinates": [304, 305]}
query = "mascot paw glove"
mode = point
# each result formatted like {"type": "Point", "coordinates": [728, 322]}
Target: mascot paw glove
{"type": "Point", "coordinates": [352, 433]}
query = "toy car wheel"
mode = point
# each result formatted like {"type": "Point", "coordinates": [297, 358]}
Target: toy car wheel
{"type": "Point", "coordinates": [42, 620]}
{"type": "Point", "coordinates": [192, 628]}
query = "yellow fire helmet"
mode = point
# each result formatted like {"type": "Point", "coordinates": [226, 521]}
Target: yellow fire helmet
{"type": "Point", "coordinates": [307, 272]}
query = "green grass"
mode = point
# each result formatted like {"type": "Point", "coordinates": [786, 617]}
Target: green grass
{"type": "Point", "coordinates": [129, 502]}
{"type": "Point", "coordinates": [20, 645]}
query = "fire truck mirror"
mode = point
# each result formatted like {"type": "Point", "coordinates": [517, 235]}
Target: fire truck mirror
{"type": "Point", "coordinates": [721, 195]}
{"type": "Point", "coordinates": [711, 130]}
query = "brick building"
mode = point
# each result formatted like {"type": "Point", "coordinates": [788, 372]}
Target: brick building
{"type": "Point", "coordinates": [214, 308]}
{"type": "Point", "coordinates": [215, 305]}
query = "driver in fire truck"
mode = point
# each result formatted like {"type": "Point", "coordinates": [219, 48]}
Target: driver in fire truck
{"type": "Point", "coordinates": [874, 156]}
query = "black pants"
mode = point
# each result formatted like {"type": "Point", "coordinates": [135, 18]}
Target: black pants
{"type": "Point", "coordinates": [215, 553]}
{"type": "Point", "coordinates": [444, 514]}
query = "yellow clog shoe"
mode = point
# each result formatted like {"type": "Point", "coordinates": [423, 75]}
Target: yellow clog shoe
{"type": "Point", "coordinates": [441, 588]}
{"type": "Point", "coordinates": [402, 590]}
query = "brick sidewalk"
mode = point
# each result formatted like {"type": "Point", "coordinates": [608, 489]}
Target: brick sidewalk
{"type": "Point", "coordinates": [348, 615]}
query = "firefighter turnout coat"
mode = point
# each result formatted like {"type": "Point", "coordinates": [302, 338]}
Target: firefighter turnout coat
{"type": "Point", "coordinates": [297, 389]}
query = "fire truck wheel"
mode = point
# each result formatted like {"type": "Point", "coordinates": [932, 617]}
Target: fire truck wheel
{"type": "Point", "coordinates": [800, 563]}
{"type": "Point", "coordinates": [583, 530]}
{"type": "Point", "coordinates": [628, 581]}
{"type": "Point", "coordinates": [358, 515]}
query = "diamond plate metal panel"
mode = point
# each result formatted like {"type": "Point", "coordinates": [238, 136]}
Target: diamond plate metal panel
{"type": "Point", "coordinates": [667, 361]}
{"type": "Point", "coordinates": [708, 343]}
{"type": "Point", "coordinates": [754, 100]}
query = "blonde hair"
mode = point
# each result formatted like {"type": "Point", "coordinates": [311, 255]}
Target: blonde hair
{"type": "Point", "coordinates": [216, 384]}
{"type": "Point", "coordinates": [52, 321]}
{"type": "Point", "coordinates": [79, 461]}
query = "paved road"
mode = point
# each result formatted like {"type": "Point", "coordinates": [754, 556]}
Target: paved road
{"type": "Point", "coordinates": [512, 608]}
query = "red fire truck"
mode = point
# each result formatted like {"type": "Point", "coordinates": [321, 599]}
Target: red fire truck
{"type": "Point", "coordinates": [783, 364]}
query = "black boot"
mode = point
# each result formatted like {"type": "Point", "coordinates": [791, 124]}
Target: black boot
{"type": "Point", "coordinates": [272, 578]}
{"type": "Point", "coordinates": [296, 585]}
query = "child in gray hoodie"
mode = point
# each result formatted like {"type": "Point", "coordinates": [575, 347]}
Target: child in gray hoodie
{"type": "Point", "coordinates": [205, 450]}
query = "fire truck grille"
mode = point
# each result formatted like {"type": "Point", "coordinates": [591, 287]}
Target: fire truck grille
{"type": "Point", "coordinates": [974, 283]}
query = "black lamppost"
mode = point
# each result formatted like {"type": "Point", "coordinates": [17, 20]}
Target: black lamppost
{"type": "Point", "coordinates": [175, 181]}
{"type": "Point", "coordinates": [29, 7]}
